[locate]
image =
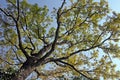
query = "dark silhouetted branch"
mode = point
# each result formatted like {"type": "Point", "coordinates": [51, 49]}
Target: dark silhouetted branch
{"type": "Point", "coordinates": [73, 53]}
{"type": "Point", "coordinates": [70, 65]}
{"type": "Point", "coordinates": [56, 34]}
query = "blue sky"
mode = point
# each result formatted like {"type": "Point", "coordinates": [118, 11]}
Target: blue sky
{"type": "Point", "coordinates": [114, 5]}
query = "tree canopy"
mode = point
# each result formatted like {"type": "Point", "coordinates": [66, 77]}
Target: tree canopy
{"type": "Point", "coordinates": [76, 39]}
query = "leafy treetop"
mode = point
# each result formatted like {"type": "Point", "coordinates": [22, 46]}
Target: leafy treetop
{"type": "Point", "coordinates": [83, 41]}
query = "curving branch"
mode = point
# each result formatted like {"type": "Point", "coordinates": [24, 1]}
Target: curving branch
{"type": "Point", "coordinates": [19, 34]}
{"type": "Point", "coordinates": [41, 51]}
{"type": "Point", "coordinates": [70, 65]}
{"type": "Point", "coordinates": [17, 27]}
{"type": "Point", "coordinates": [28, 35]}
{"type": "Point", "coordinates": [56, 35]}
{"type": "Point", "coordinates": [72, 29]}
{"type": "Point", "coordinates": [76, 52]}
{"type": "Point", "coordinates": [57, 31]}
{"type": "Point", "coordinates": [7, 14]}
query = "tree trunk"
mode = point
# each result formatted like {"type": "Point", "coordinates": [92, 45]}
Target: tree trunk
{"type": "Point", "coordinates": [23, 73]}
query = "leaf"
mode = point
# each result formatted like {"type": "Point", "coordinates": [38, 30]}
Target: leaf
{"type": "Point", "coordinates": [95, 54]}
{"type": "Point", "coordinates": [82, 34]}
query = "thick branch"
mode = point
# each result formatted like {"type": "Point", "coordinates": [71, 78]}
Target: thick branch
{"type": "Point", "coordinates": [56, 33]}
{"type": "Point", "coordinates": [19, 34]}
{"type": "Point", "coordinates": [28, 35]}
{"type": "Point", "coordinates": [42, 51]}
{"type": "Point", "coordinates": [76, 69]}
{"type": "Point", "coordinates": [18, 31]}
{"type": "Point", "coordinates": [73, 53]}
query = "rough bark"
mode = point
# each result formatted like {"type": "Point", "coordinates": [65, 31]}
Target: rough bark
{"type": "Point", "coordinates": [24, 72]}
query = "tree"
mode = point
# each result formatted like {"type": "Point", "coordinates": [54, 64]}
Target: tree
{"type": "Point", "coordinates": [80, 39]}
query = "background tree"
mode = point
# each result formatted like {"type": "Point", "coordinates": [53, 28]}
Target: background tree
{"type": "Point", "coordinates": [78, 39]}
